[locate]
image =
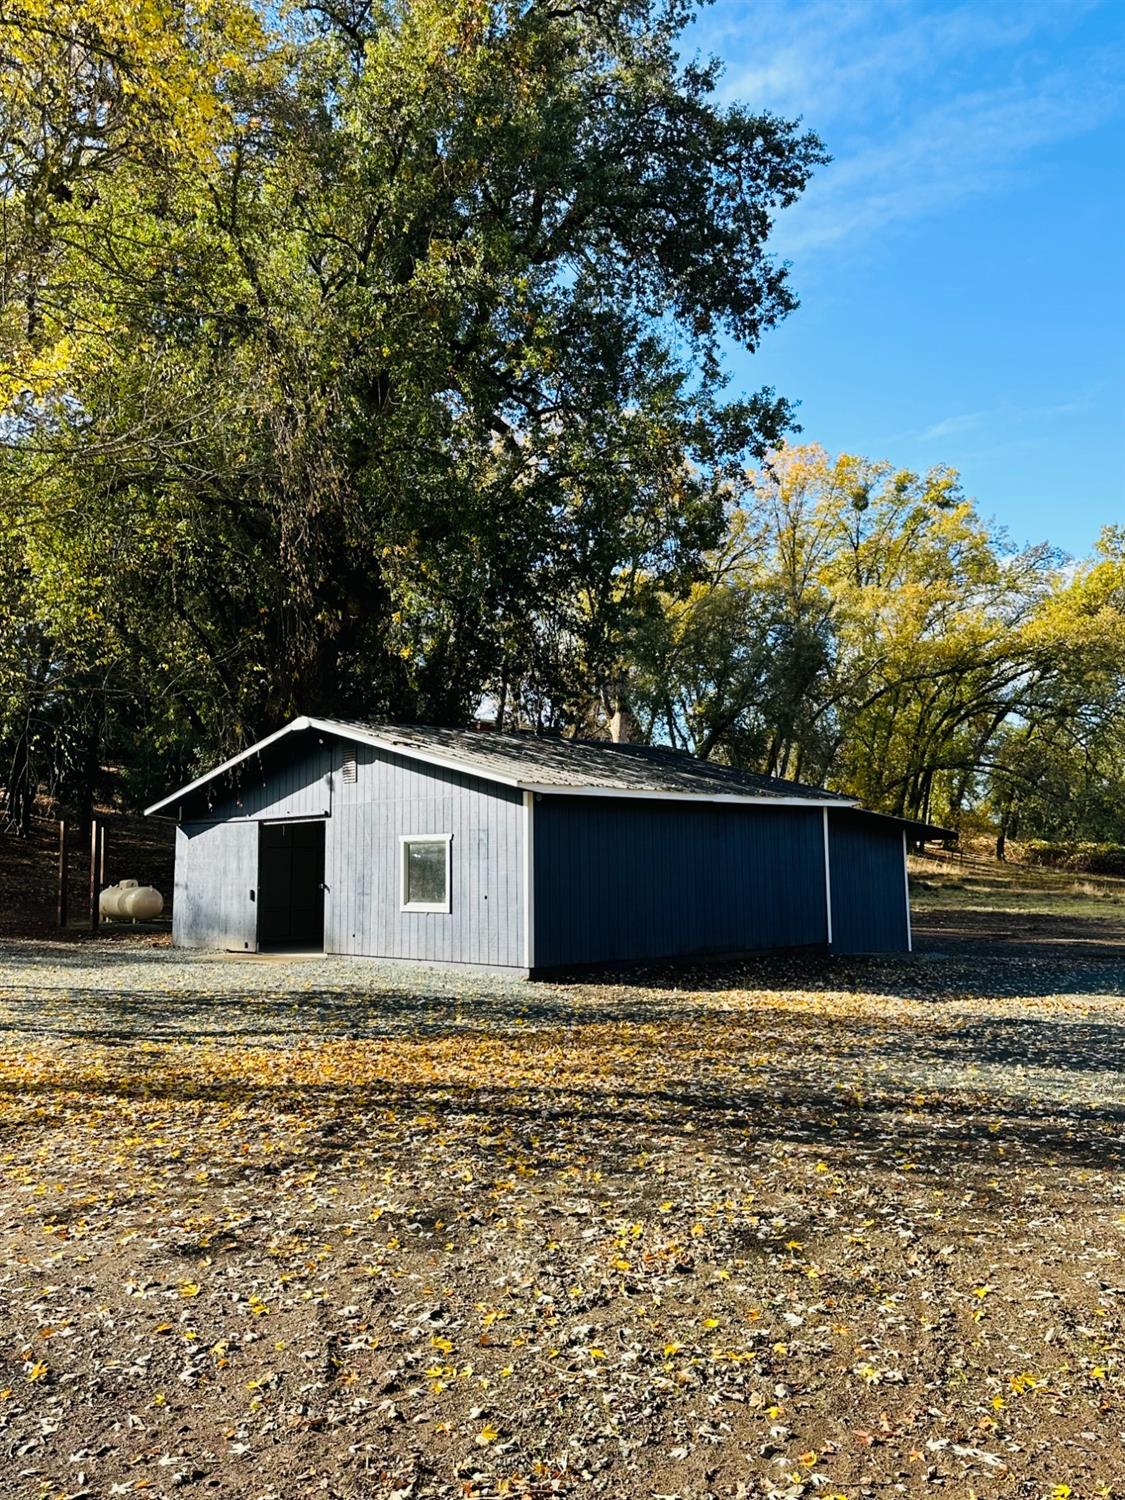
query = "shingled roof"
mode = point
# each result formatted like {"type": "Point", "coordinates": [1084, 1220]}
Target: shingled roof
{"type": "Point", "coordinates": [551, 763]}
{"type": "Point", "coordinates": [548, 763]}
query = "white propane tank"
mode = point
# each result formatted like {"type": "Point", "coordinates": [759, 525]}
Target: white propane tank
{"type": "Point", "coordinates": [141, 903]}
{"type": "Point", "coordinates": [109, 902]}
{"type": "Point", "coordinates": [128, 899]}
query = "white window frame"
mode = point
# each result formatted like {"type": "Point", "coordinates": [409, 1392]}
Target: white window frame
{"type": "Point", "coordinates": [404, 842]}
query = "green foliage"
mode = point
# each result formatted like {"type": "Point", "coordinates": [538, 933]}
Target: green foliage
{"type": "Point", "coordinates": [395, 377]}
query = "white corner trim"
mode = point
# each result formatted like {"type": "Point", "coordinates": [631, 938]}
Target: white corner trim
{"type": "Point", "coordinates": [529, 880]}
{"type": "Point", "coordinates": [827, 879]}
{"type": "Point", "coordinates": [404, 842]}
{"type": "Point", "coordinates": [906, 888]}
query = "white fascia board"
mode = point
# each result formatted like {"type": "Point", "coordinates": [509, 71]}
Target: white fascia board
{"type": "Point", "coordinates": [548, 789]}
{"type": "Point", "coordinates": [343, 732]}
{"type": "Point", "coordinates": [192, 786]}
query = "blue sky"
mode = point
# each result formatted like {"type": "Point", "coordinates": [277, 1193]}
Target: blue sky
{"type": "Point", "coordinates": [961, 262]}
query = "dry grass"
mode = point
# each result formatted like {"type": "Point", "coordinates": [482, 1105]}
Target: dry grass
{"type": "Point", "coordinates": [976, 882]}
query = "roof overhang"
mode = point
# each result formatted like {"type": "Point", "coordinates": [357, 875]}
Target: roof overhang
{"type": "Point", "coordinates": [922, 832]}
{"type": "Point", "coordinates": [742, 799]}
{"type": "Point", "coordinates": [469, 767]}
{"type": "Point", "coordinates": [340, 731]}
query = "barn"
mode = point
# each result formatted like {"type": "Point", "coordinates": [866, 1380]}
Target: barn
{"type": "Point", "coordinates": [524, 853]}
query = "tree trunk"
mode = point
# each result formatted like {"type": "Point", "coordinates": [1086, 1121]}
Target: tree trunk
{"type": "Point", "coordinates": [623, 726]}
{"type": "Point", "coordinates": [19, 789]}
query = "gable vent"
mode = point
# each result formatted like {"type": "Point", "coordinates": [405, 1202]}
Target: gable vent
{"type": "Point", "coordinates": [348, 768]}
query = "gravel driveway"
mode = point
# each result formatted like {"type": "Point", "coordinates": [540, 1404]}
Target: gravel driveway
{"type": "Point", "coordinates": [293, 1227]}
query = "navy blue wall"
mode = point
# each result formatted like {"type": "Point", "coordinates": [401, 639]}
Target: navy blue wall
{"type": "Point", "coordinates": [868, 886]}
{"type": "Point", "coordinates": [618, 879]}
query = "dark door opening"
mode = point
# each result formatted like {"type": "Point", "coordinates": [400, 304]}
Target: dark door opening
{"type": "Point", "coordinates": [291, 885]}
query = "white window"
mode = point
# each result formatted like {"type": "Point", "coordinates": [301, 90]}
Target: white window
{"type": "Point", "coordinates": [424, 871]}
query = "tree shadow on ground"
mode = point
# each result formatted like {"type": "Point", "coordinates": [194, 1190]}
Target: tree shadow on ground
{"type": "Point", "coordinates": [933, 1091]}
{"type": "Point", "coordinates": [922, 975]}
{"type": "Point", "coordinates": [317, 1015]}
{"type": "Point", "coordinates": [896, 1129]}
{"type": "Point", "coordinates": [1030, 935]}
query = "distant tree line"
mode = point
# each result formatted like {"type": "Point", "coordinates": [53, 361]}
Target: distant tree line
{"type": "Point", "coordinates": [365, 359]}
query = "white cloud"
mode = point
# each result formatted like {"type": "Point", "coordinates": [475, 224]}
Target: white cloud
{"type": "Point", "coordinates": [970, 145]}
{"type": "Point", "coordinates": [949, 426]}
{"type": "Point", "coordinates": [922, 110]}
{"type": "Point", "coordinates": [1008, 417]}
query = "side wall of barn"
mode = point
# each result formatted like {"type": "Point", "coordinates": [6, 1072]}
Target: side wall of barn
{"type": "Point", "coordinates": [393, 796]}
{"type": "Point", "coordinates": [619, 879]}
{"type": "Point", "coordinates": [869, 895]}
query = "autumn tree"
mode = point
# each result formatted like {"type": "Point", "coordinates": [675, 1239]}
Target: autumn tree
{"type": "Point", "coordinates": [1059, 770]}
{"type": "Point", "coordinates": [863, 625]}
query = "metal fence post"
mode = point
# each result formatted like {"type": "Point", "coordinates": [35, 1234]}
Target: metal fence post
{"type": "Point", "coordinates": [95, 852]}
{"type": "Point", "coordinates": [64, 853]}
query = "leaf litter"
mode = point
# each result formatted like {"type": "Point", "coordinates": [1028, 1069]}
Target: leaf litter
{"type": "Point", "coordinates": [785, 1228]}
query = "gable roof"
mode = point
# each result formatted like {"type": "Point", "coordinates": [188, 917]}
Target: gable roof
{"type": "Point", "coordinates": [547, 763]}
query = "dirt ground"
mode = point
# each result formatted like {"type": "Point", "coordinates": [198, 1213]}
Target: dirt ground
{"type": "Point", "coordinates": [140, 849]}
{"type": "Point", "coordinates": [283, 1228]}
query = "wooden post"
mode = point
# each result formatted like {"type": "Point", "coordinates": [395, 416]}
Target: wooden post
{"type": "Point", "coordinates": [103, 857]}
{"type": "Point", "coordinates": [95, 851]}
{"type": "Point", "coordinates": [64, 853]}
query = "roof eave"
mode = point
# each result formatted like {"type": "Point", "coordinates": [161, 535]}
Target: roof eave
{"type": "Point", "coordinates": [341, 731]}
{"type": "Point", "coordinates": [661, 794]}
{"type": "Point", "coordinates": [411, 752]}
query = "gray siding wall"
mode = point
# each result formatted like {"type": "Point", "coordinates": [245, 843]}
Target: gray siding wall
{"type": "Point", "coordinates": [393, 795]}
{"type": "Point", "coordinates": [869, 912]}
{"type": "Point", "coordinates": [216, 870]}
{"type": "Point", "coordinates": [294, 781]}
{"type": "Point", "coordinates": [618, 879]}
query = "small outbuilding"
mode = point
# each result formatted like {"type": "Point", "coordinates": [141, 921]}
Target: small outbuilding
{"type": "Point", "coordinates": [524, 853]}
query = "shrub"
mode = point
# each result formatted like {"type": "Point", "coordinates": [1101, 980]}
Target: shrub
{"type": "Point", "coordinates": [1077, 857]}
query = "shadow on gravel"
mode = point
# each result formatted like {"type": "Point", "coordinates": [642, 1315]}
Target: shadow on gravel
{"type": "Point", "coordinates": [735, 1123]}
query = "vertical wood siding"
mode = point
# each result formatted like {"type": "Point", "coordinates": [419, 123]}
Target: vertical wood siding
{"type": "Point", "coordinates": [391, 796]}
{"type": "Point", "coordinates": [619, 880]}
{"type": "Point", "coordinates": [868, 889]}
{"type": "Point", "coordinates": [216, 870]}
{"type": "Point", "coordinates": [290, 780]}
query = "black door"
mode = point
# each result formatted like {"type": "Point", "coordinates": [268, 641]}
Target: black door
{"type": "Point", "coordinates": [291, 885]}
